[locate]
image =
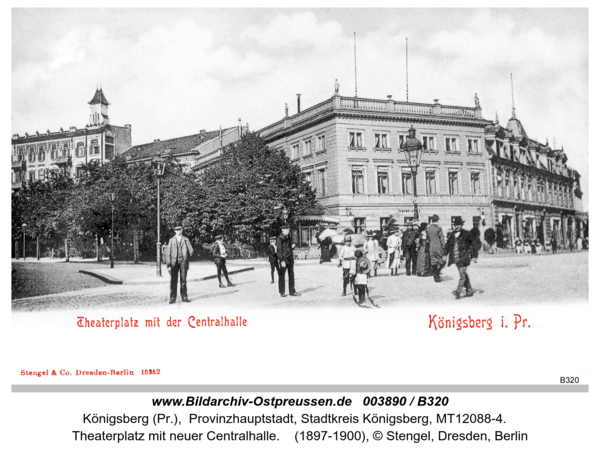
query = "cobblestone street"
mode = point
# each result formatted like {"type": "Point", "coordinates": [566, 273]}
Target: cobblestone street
{"type": "Point", "coordinates": [506, 279]}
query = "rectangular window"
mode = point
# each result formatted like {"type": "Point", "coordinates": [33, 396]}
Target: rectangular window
{"type": "Point", "coordinates": [381, 141]}
{"type": "Point", "coordinates": [321, 143]}
{"type": "Point", "coordinates": [322, 182]}
{"type": "Point", "coordinates": [308, 178]}
{"type": "Point", "coordinates": [530, 191]}
{"type": "Point", "coordinates": [453, 182]}
{"type": "Point", "coordinates": [31, 175]}
{"type": "Point", "coordinates": [383, 222]}
{"type": "Point", "coordinates": [355, 139]}
{"type": "Point", "coordinates": [80, 150]}
{"type": "Point", "coordinates": [473, 146]}
{"type": "Point", "coordinates": [358, 183]}
{"type": "Point", "coordinates": [401, 140]}
{"type": "Point", "coordinates": [516, 193]}
{"type": "Point", "coordinates": [295, 151]}
{"type": "Point", "coordinates": [41, 174]}
{"type": "Point", "coordinates": [383, 181]}
{"type": "Point", "coordinates": [451, 145]}
{"type": "Point", "coordinates": [306, 150]}
{"type": "Point", "coordinates": [407, 183]}
{"type": "Point", "coordinates": [430, 182]}
{"type": "Point", "coordinates": [500, 184]}
{"type": "Point", "coordinates": [475, 183]}
{"type": "Point", "coordinates": [95, 149]}
{"type": "Point", "coordinates": [359, 225]}
{"type": "Point", "coordinates": [428, 143]}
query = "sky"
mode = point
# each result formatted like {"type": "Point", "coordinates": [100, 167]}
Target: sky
{"type": "Point", "coordinates": [173, 72]}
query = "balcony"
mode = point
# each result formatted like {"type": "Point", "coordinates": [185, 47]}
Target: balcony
{"type": "Point", "coordinates": [64, 161]}
{"type": "Point", "coordinates": [18, 164]}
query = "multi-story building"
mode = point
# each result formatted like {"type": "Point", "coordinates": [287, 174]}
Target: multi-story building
{"type": "Point", "coordinates": [33, 156]}
{"type": "Point", "coordinates": [534, 191]}
{"type": "Point", "coordinates": [350, 150]}
{"type": "Point", "coordinates": [192, 151]}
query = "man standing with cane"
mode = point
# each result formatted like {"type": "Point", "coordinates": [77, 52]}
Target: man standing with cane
{"type": "Point", "coordinates": [179, 252]}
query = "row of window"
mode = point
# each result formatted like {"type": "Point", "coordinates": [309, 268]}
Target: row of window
{"type": "Point", "coordinates": [57, 153]}
{"type": "Point", "coordinates": [528, 190]}
{"type": "Point", "coordinates": [517, 154]}
{"type": "Point", "coordinates": [307, 147]}
{"type": "Point", "coordinates": [382, 141]}
{"type": "Point", "coordinates": [407, 181]}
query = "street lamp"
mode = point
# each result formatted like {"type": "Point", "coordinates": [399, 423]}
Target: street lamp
{"type": "Point", "coordinates": [24, 226]}
{"type": "Point", "coordinates": [112, 231]}
{"type": "Point", "coordinates": [159, 171]}
{"type": "Point", "coordinates": [413, 149]}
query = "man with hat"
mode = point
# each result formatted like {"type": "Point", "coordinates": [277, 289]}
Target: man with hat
{"type": "Point", "coordinates": [272, 254]}
{"type": "Point", "coordinates": [220, 255]}
{"type": "Point", "coordinates": [285, 256]}
{"type": "Point", "coordinates": [179, 252]}
{"type": "Point", "coordinates": [409, 248]}
{"type": "Point", "coordinates": [460, 248]}
{"type": "Point", "coordinates": [346, 257]}
{"type": "Point", "coordinates": [436, 247]}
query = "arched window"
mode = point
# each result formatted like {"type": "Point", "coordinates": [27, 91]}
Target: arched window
{"type": "Point", "coordinates": [80, 150]}
{"type": "Point", "coordinates": [31, 156]}
{"type": "Point", "coordinates": [41, 155]}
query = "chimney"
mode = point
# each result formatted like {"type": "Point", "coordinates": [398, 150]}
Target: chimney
{"type": "Point", "coordinates": [239, 127]}
{"type": "Point", "coordinates": [128, 126]}
{"type": "Point", "coordinates": [72, 128]}
{"type": "Point", "coordinates": [298, 95]}
{"type": "Point", "coordinates": [157, 140]}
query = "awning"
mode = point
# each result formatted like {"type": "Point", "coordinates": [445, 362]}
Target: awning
{"type": "Point", "coordinates": [318, 218]}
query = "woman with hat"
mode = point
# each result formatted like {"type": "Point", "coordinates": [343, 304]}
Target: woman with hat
{"type": "Point", "coordinates": [220, 254]}
{"type": "Point", "coordinates": [372, 250]}
{"type": "Point", "coordinates": [423, 264]}
{"type": "Point", "coordinates": [346, 256]}
{"type": "Point", "coordinates": [272, 253]}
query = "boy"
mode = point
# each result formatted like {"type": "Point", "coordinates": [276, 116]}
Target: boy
{"type": "Point", "coordinates": [362, 271]}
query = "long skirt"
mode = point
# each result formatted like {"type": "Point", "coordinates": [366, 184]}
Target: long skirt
{"type": "Point", "coordinates": [423, 262]}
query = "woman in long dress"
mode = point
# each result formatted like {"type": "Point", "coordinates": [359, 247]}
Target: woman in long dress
{"type": "Point", "coordinates": [372, 252]}
{"type": "Point", "coordinates": [423, 262]}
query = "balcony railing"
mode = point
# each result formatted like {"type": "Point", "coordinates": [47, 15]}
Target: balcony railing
{"type": "Point", "coordinates": [373, 105]}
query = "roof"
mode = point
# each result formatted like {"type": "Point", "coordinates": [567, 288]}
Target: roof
{"type": "Point", "coordinates": [516, 128]}
{"type": "Point", "coordinates": [99, 98]}
{"type": "Point", "coordinates": [176, 145]}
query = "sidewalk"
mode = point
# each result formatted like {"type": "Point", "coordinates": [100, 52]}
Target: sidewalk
{"type": "Point", "coordinates": [146, 274]}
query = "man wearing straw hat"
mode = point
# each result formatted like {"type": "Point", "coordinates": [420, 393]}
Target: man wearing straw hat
{"type": "Point", "coordinates": [179, 252]}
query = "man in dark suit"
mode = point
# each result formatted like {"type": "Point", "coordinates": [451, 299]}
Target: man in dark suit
{"type": "Point", "coordinates": [179, 252]}
{"type": "Point", "coordinates": [285, 255]}
{"type": "Point", "coordinates": [272, 254]}
{"type": "Point", "coordinates": [460, 248]}
{"type": "Point", "coordinates": [409, 248]}
{"type": "Point", "coordinates": [220, 255]}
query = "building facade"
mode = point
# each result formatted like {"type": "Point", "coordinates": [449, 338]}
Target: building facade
{"type": "Point", "coordinates": [535, 194]}
{"type": "Point", "coordinates": [350, 150]}
{"type": "Point", "coordinates": [34, 156]}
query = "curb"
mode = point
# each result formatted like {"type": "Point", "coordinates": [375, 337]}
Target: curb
{"type": "Point", "coordinates": [111, 280]}
{"type": "Point", "coordinates": [107, 279]}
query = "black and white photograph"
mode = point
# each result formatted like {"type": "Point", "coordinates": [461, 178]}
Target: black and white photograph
{"type": "Point", "coordinates": [421, 148]}
{"type": "Point", "coordinates": [315, 227]}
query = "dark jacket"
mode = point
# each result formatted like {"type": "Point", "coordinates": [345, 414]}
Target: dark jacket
{"type": "Point", "coordinates": [409, 239]}
{"type": "Point", "coordinates": [467, 249]}
{"type": "Point", "coordinates": [272, 253]}
{"type": "Point", "coordinates": [171, 254]}
{"type": "Point", "coordinates": [285, 252]}
{"type": "Point", "coordinates": [216, 252]}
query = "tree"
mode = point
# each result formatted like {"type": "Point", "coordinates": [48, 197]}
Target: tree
{"type": "Point", "coordinates": [249, 188]}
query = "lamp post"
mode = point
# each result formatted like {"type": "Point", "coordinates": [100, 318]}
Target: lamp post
{"type": "Point", "coordinates": [24, 226]}
{"type": "Point", "coordinates": [159, 170]}
{"type": "Point", "coordinates": [413, 149]}
{"type": "Point", "coordinates": [112, 231]}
